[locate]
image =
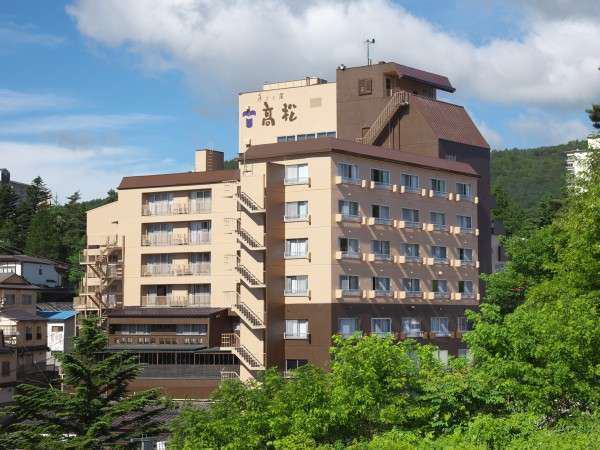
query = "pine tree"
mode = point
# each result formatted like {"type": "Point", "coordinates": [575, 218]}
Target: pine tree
{"type": "Point", "coordinates": [594, 115]}
{"type": "Point", "coordinates": [94, 411]}
{"type": "Point", "coordinates": [44, 237]}
{"type": "Point", "coordinates": [37, 195]}
{"type": "Point", "coordinates": [8, 213]}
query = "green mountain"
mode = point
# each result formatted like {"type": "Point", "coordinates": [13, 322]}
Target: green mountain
{"type": "Point", "coordinates": [532, 174]}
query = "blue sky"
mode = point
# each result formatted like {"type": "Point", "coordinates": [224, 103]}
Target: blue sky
{"type": "Point", "coordinates": [91, 91]}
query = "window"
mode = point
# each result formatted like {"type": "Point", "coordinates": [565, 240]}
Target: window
{"type": "Point", "coordinates": [200, 232]}
{"type": "Point", "coordinates": [465, 287]}
{"type": "Point", "coordinates": [411, 285]}
{"type": "Point", "coordinates": [410, 252]}
{"type": "Point", "coordinates": [296, 285]}
{"type": "Point", "coordinates": [365, 86]}
{"type": "Point", "coordinates": [439, 253]}
{"type": "Point", "coordinates": [158, 203]}
{"type": "Point", "coordinates": [200, 201]}
{"type": "Point", "coordinates": [56, 328]}
{"type": "Point", "coordinates": [348, 326]}
{"type": "Point", "coordinates": [411, 217]}
{"type": "Point", "coordinates": [296, 174]}
{"type": "Point", "coordinates": [296, 248]}
{"type": "Point", "coordinates": [28, 333]}
{"type": "Point", "coordinates": [291, 364]}
{"type": "Point", "coordinates": [381, 327]}
{"type": "Point", "coordinates": [9, 299]}
{"type": "Point", "coordinates": [464, 222]}
{"type": "Point", "coordinates": [381, 284]}
{"type": "Point", "coordinates": [159, 234]}
{"type": "Point", "coordinates": [200, 329]}
{"type": "Point", "coordinates": [133, 329]}
{"type": "Point", "coordinates": [464, 190]}
{"type": "Point", "coordinates": [296, 210]}
{"type": "Point", "coordinates": [438, 220]}
{"type": "Point", "coordinates": [380, 177]}
{"type": "Point", "coordinates": [462, 324]}
{"type": "Point", "coordinates": [348, 208]}
{"type": "Point", "coordinates": [349, 283]}
{"type": "Point", "coordinates": [349, 247]}
{"type": "Point", "coordinates": [8, 268]}
{"type": "Point", "coordinates": [296, 329]}
{"type": "Point", "coordinates": [38, 332]}
{"type": "Point", "coordinates": [439, 286]}
{"type": "Point", "coordinates": [465, 254]}
{"type": "Point", "coordinates": [348, 172]}
{"type": "Point", "coordinates": [438, 186]}
{"type": "Point", "coordinates": [281, 139]}
{"type": "Point", "coordinates": [381, 249]}
{"type": "Point", "coordinates": [410, 182]}
{"type": "Point", "coordinates": [381, 214]}
{"type": "Point", "coordinates": [5, 368]}
{"type": "Point", "coordinates": [439, 326]}
{"type": "Point", "coordinates": [411, 327]}
{"type": "Point", "coordinates": [331, 134]}
{"type": "Point", "coordinates": [27, 299]}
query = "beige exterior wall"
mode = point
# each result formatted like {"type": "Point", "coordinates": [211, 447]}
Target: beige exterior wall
{"type": "Point", "coordinates": [315, 112]}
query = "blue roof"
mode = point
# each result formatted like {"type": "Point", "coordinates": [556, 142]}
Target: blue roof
{"type": "Point", "coordinates": [58, 316]}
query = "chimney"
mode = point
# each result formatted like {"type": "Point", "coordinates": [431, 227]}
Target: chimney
{"type": "Point", "coordinates": [4, 176]}
{"type": "Point", "coordinates": [207, 160]}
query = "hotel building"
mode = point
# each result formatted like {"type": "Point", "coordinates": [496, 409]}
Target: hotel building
{"type": "Point", "coordinates": [358, 206]}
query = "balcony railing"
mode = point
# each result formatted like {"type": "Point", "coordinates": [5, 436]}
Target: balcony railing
{"type": "Point", "coordinates": [441, 194]}
{"type": "Point", "coordinates": [383, 257]}
{"type": "Point", "coordinates": [295, 255]}
{"type": "Point", "coordinates": [383, 221]}
{"type": "Point", "coordinates": [296, 292]}
{"type": "Point", "coordinates": [347, 180]}
{"type": "Point", "coordinates": [157, 339]}
{"type": "Point", "coordinates": [410, 224]}
{"type": "Point", "coordinates": [201, 268]}
{"type": "Point", "coordinates": [162, 301]}
{"type": "Point", "coordinates": [412, 189]}
{"type": "Point", "coordinates": [440, 227]}
{"type": "Point", "coordinates": [297, 336]}
{"type": "Point", "coordinates": [441, 295]}
{"type": "Point", "coordinates": [298, 180]}
{"type": "Point", "coordinates": [304, 218]}
{"type": "Point", "coordinates": [412, 258]}
{"type": "Point", "coordinates": [176, 209]}
{"type": "Point", "coordinates": [195, 238]}
{"type": "Point", "coordinates": [414, 294]}
{"type": "Point", "coordinates": [350, 254]}
{"type": "Point", "coordinates": [467, 295]}
{"type": "Point", "coordinates": [350, 292]}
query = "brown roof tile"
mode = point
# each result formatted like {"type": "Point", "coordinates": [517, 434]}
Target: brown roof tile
{"type": "Point", "coordinates": [432, 79]}
{"type": "Point", "coordinates": [449, 122]}
{"type": "Point", "coordinates": [332, 145]}
{"type": "Point", "coordinates": [179, 179]}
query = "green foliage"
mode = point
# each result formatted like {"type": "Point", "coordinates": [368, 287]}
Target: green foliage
{"type": "Point", "coordinates": [230, 164]}
{"type": "Point", "coordinates": [594, 115]}
{"type": "Point", "coordinates": [529, 184]}
{"type": "Point", "coordinates": [93, 412]}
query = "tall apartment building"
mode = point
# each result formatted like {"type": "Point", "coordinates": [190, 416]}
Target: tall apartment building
{"type": "Point", "coordinates": [222, 273]}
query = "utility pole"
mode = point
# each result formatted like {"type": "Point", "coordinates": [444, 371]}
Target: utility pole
{"type": "Point", "coordinates": [369, 42]}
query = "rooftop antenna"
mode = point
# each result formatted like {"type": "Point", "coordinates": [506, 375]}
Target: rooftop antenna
{"type": "Point", "coordinates": [369, 42]}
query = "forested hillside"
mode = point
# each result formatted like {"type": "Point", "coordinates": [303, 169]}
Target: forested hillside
{"type": "Point", "coordinates": [529, 175]}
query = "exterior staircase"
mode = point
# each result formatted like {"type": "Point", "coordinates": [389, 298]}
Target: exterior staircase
{"type": "Point", "coordinates": [247, 239]}
{"type": "Point", "coordinates": [248, 276]}
{"type": "Point", "coordinates": [248, 203]}
{"type": "Point", "coordinates": [231, 341]}
{"type": "Point", "coordinates": [397, 99]}
{"type": "Point", "coordinates": [248, 316]}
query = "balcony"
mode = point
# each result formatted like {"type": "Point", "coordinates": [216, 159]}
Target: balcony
{"type": "Point", "coordinates": [298, 336]}
{"type": "Point", "coordinates": [412, 334]}
{"type": "Point", "coordinates": [200, 268]}
{"type": "Point", "coordinates": [380, 185]}
{"type": "Point", "coordinates": [413, 294]}
{"type": "Point", "coordinates": [439, 227]}
{"type": "Point", "coordinates": [383, 221]}
{"type": "Point", "coordinates": [412, 258]}
{"type": "Point", "coordinates": [346, 180]}
{"type": "Point", "coordinates": [439, 194]}
{"type": "Point", "coordinates": [176, 209]}
{"type": "Point", "coordinates": [383, 257]}
{"type": "Point", "coordinates": [411, 189]}
{"type": "Point", "coordinates": [296, 292]}
{"type": "Point", "coordinates": [296, 255]}
{"type": "Point", "coordinates": [467, 295]}
{"type": "Point", "coordinates": [176, 239]}
{"type": "Point", "coordinates": [410, 224]}
{"type": "Point", "coordinates": [305, 218]}
{"type": "Point", "coordinates": [157, 339]}
{"type": "Point", "coordinates": [162, 301]}
{"type": "Point", "coordinates": [348, 218]}
{"type": "Point", "coordinates": [340, 293]}
{"type": "Point", "coordinates": [441, 295]}
{"type": "Point", "coordinates": [348, 254]}
{"type": "Point", "coordinates": [440, 260]}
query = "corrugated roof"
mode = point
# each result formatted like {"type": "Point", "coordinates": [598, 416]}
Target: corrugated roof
{"type": "Point", "coordinates": [55, 306]}
{"type": "Point", "coordinates": [179, 179]}
{"type": "Point", "coordinates": [57, 316]}
{"type": "Point", "coordinates": [448, 121]}
{"type": "Point", "coordinates": [138, 311]}
{"type": "Point", "coordinates": [333, 145]}
{"type": "Point", "coordinates": [430, 78]}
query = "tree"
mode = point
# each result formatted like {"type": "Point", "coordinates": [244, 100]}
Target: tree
{"type": "Point", "coordinates": [36, 196]}
{"type": "Point", "coordinates": [594, 115]}
{"type": "Point", "coordinates": [508, 212]}
{"type": "Point", "coordinates": [8, 214]}
{"type": "Point", "coordinates": [44, 237]}
{"type": "Point", "coordinates": [94, 412]}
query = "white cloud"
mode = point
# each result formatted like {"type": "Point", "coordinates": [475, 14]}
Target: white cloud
{"type": "Point", "coordinates": [91, 170]}
{"type": "Point", "coordinates": [240, 43]}
{"type": "Point", "coordinates": [491, 136]}
{"type": "Point", "coordinates": [11, 33]}
{"type": "Point", "coordinates": [16, 102]}
{"type": "Point", "coordinates": [544, 129]}
{"type": "Point", "coordinates": [75, 122]}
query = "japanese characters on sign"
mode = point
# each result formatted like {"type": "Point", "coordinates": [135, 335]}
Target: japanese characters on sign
{"type": "Point", "coordinates": [270, 111]}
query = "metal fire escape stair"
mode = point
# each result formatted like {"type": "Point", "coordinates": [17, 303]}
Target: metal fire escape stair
{"type": "Point", "coordinates": [248, 316]}
{"type": "Point", "coordinates": [248, 240]}
{"type": "Point", "coordinates": [397, 99]}
{"type": "Point", "coordinates": [106, 272]}
{"type": "Point", "coordinates": [248, 203]}
{"type": "Point", "coordinates": [248, 276]}
{"type": "Point", "coordinates": [231, 341]}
